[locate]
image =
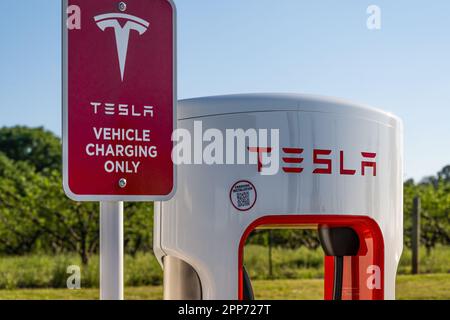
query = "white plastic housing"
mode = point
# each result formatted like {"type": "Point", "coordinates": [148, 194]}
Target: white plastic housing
{"type": "Point", "coordinates": [201, 226]}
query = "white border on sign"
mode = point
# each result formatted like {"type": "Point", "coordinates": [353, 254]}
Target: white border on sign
{"type": "Point", "coordinates": [65, 119]}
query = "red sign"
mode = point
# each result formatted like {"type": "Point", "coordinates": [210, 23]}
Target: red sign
{"type": "Point", "coordinates": [119, 84]}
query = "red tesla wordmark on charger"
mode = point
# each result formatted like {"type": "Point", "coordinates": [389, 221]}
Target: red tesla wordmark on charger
{"type": "Point", "coordinates": [369, 164]}
{"type": "Point", "coordinates": [293, 158]}
{"type": "Point", "coordinates": [317, 159]}
{"type": "Point", "coordinates": [260, 151]}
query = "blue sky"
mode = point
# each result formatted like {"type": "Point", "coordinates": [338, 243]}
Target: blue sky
{"type": "Point", "coordinates": [234, 46]}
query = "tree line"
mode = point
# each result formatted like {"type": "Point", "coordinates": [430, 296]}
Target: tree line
{"type": "Point", "coordinates": [37, 217]}
{"type": "Point", "coordinates": [35, 214]}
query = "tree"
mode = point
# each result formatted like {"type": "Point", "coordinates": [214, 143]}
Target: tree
{"type": "Point", "coordinates": [70, 226]}
{"type": "Point", "coordinates": [435, 226]}
{"type": "Point", "coordinates": [434, 192]}
{"type": "Point", "coordinates": [38, 147]}
{"type": "Point", "coordinates": [18, 190]}
{"type": "Point", "coordinates": [138, 225]}
{"type": "Point", "coordinates": [35, 214]}
{"type": "Point", "coordinates": [67, 226]}
{"type": "Point", "coordinates": [287, 238]}
{"type": "Point", "coordinates": [444, 174]}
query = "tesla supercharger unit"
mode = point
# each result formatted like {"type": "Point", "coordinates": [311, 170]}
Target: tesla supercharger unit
{"type": "Point", "coordinates": [340, 172]}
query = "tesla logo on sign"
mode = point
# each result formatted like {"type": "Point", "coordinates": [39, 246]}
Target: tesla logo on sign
{"type": "Point", "coordinates": [122, 33]}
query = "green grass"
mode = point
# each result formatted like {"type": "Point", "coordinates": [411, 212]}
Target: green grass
{"type": "Point", "coordinates": [308, 264]}
{"type": "Point", "coordinates": [438, 261]}
{"type": "Point", "coordinates": [41, 271]}
{"type": "Point", "coordinates": [421, 287]}
{"type": "Point", "coordinates": [287, 263]}
{"type": "Point", "coordinates": [131, 293]}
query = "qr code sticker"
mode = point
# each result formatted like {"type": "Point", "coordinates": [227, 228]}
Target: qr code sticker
{"type": "Point", "coordinates": [243, 199]}
{"type": "Point", "coordinates": [243, 195]}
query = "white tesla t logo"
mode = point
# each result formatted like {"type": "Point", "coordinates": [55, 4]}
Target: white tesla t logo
{"type": "Point", "coordinates": [111, 20]}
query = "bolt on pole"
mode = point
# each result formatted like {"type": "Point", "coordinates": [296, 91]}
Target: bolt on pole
{"type": "Point", "coordinates": [111, 250]}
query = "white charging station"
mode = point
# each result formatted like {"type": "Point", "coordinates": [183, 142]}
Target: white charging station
{"type": "Point", "coordinates": [340, 165]}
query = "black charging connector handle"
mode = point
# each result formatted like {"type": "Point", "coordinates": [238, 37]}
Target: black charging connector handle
{"type": "Point", "coordinates": [339, 242]}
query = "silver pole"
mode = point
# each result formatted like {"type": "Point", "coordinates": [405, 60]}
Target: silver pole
{"type": "Point", "coordinates": [111, 250]}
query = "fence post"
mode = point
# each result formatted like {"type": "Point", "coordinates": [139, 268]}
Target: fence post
{"type": "Point", "coordinates": [270, 255]}
{"type": "Point", "coordinates": [415, 235]}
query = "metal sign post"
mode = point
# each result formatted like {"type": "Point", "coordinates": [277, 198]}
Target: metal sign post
{"type": "Point", "coordinates": [111, 250]}
{"type": "Point", "coordinates": [119, 113]}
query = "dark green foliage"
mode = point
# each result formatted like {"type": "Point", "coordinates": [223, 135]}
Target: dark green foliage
{"type": "Point", "coordinates": [35, 214]}
{"type": "Point", "coordinates": [287, 238]}
{"type": "Point", "coordinates": [18, 189]}
{"type": "Point", "coordinates": [38, 147]}
{"type": "Point", "coordinates": [138, 225]}
{"type": "Point", "coordinates": [434, 193]}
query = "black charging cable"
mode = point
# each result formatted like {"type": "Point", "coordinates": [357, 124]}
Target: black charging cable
{"type": "Point", "coordinates": [338, 277]}
{"type": "Point", "coordinates": [248, 289]}
{"type": "Point", "coordinates": [338, 242]}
